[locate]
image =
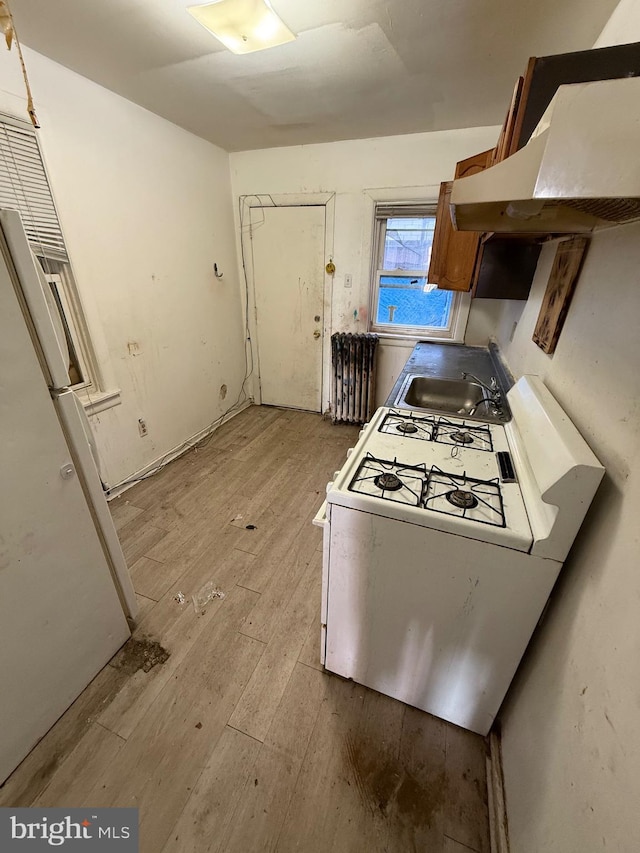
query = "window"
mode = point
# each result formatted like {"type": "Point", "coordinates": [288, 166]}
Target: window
{"type": "Point", "coordinates": [24, 186]}
{"type": "Point", "coordinates": [59, 285]}
{"type": "Point", "coordinates": [403, 302]}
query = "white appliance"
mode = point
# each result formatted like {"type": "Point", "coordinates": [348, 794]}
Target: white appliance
{"type": "Point", "coordinates": [442, 541]}
{"type": "Point", "coordinates": [65, 592]}
{"type": "Point", "coordinates": [579, 170]}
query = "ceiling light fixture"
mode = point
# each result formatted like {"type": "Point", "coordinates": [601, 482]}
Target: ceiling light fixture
{"type": "Point", "coordinates": [243, 26]}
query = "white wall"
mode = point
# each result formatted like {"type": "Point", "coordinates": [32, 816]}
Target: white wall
{"type": "Point", "coordinates": [359, 171]}
{"type": "Point", "coordinates": [571, 746]}
{"type": "Point", "coordinates": [146, 211]}
{"type": "Point", "coordinates": [571, 741]}
{"type": "Point", "coordinates": [623, 27]}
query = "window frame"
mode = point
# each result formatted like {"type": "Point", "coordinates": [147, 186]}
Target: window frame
{"type": "Point", "coordinates": [59, 280]}
{"type": "Point", "coordinates": [51, 252]}
{"type": "Point", "coordinates": [461, 302]}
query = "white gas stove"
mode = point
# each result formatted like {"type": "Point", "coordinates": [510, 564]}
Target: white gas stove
{"type": "Point", "coordinates": [437, 472]}
{"type": "Point", "coordinates": [442, 541]}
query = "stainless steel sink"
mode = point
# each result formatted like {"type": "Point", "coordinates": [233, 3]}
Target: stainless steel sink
{"type": "Point", "coordinates": [450, 396]}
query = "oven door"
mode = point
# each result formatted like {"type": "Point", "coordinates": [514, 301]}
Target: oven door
{"type": "Point", "coordinates": [321, 519]}
{"type": "Point", "coordinates": [436, 620]}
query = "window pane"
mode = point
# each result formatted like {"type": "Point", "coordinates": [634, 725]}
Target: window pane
{"type": "Point", "coordinates": [403, 302]}
{"type": "Point", "coordinates": [56, 273]}
{"type": "Point", "coordinates": [407, 243]}
{"type": "Point", "coordinates": [75, 371]}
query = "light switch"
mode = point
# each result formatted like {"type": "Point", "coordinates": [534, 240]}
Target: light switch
{"type": "Point", "coordinates": [347, 280]}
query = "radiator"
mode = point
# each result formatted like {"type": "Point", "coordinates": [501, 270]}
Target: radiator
{"type": "Point", "coordinates": [353, 359]}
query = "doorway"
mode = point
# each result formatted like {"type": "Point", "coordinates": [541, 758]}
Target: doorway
{"type": "Point", "coordinates": [288, 252]}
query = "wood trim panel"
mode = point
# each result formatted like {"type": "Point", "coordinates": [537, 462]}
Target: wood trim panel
{"type": "Point", "coordinates": [560, 289]}
{"type": "Point", "coordinates": [503, 148]}
{"type": "Point", "coordinates": [524, 97]}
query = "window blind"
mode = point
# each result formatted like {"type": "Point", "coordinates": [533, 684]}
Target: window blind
{"type": "Point", "coordinates": [391, 211]}
{"type": "Point", "coordinates": [24, 187]}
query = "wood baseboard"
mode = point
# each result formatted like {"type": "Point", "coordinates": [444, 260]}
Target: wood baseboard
{"type": "Point", "coordinates": [497, 808]}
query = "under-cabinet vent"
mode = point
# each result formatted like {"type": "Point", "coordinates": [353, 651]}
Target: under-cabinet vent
{"type": "Point", "coordinates": [353, 359]}
{"type": "Point", "coordinates": [610, 209]}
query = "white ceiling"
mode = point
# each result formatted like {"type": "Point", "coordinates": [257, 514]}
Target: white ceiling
{"type": "Point", "coordinates": [359, 68]}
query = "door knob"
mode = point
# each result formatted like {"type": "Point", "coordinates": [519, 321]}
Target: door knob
{"type": "Point", "coordinates": [316, 334]}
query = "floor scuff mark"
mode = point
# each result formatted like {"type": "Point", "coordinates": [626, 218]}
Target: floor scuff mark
{"type": "Point", "coordinates": [141, 654]}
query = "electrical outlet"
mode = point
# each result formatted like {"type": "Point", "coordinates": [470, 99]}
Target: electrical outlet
{"type": "Point", "coordinates": [348, 280]}
{"type": "Point", "coordinates": [142, 427]}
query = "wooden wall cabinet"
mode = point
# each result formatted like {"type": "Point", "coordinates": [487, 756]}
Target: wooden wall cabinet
{"type": "Point", "coordinates": [489, 266]}
{"type": "Point", "coordinates": [454, 253]}
{"type": "Point", "coordinates": [533, 93]}
{"type": "Point", "coordinates": [545, 74]}
{"type": "Point", "coordinates": [502, 266]}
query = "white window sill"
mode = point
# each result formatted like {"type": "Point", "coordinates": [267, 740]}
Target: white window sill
{"type": "Point", "coordinates": [99, 402]}
{"type": "Point", "coordinates": [398, 339]}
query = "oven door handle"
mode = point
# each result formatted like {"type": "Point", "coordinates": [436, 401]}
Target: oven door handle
{"type": "Point", "coordinates": [320, 519]}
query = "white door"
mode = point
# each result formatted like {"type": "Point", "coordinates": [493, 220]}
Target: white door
{"type": "Point", "coordinates": [288, 265]}
{"type": "Point", "coordinates": [60, 615]}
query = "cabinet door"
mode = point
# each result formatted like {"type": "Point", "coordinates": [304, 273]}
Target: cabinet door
{"type": "Point", "coordinates": [473, 165]}
{"type": "Point", "coordinates": [439, 245]}
{"type": "Point", "coordinates": [453, 255]}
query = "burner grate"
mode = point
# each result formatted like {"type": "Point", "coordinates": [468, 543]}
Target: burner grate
{"type": "Point", "coordinates": [390, 480]}
{"type": "Point", "coordinates": [432, 489]}
{"type": "Point", "coordinates": [464, 497]}
{"type": "Point", "coordinates": [408, 425]}
{"type": "Point", "coordinates": [463, 434]}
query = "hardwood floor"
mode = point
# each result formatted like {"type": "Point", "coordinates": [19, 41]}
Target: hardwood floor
{"type": "Point", "coordinates": [240, 741]}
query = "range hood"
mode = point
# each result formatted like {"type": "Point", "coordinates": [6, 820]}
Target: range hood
{"type": "Point", "coordinates": [579, 171]}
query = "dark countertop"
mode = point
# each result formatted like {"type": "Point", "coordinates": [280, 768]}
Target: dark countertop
{"type": "Point", "coordinates": [449, 361]}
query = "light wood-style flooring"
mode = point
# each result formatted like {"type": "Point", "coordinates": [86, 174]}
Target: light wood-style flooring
{"type": "Point", "coordinates": [240, 742]}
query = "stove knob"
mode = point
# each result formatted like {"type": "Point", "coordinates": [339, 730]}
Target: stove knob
{"type": "Point", "coordinates": [349, 452]}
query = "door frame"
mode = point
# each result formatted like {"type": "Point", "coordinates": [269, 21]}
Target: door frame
{"type": "Point", "coordinates": [247, 204]}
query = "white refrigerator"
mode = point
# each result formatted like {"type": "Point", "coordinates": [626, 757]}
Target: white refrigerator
{"type": "Point", "coordinates": [66, 599]}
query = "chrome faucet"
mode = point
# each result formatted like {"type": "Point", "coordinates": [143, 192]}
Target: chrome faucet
{"type": "Point", "coordinates": [492, 389]}
{"type": "Point", "coordinates": [494, 395]}
{"type": "Point", "coordinates": [495, 406]}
